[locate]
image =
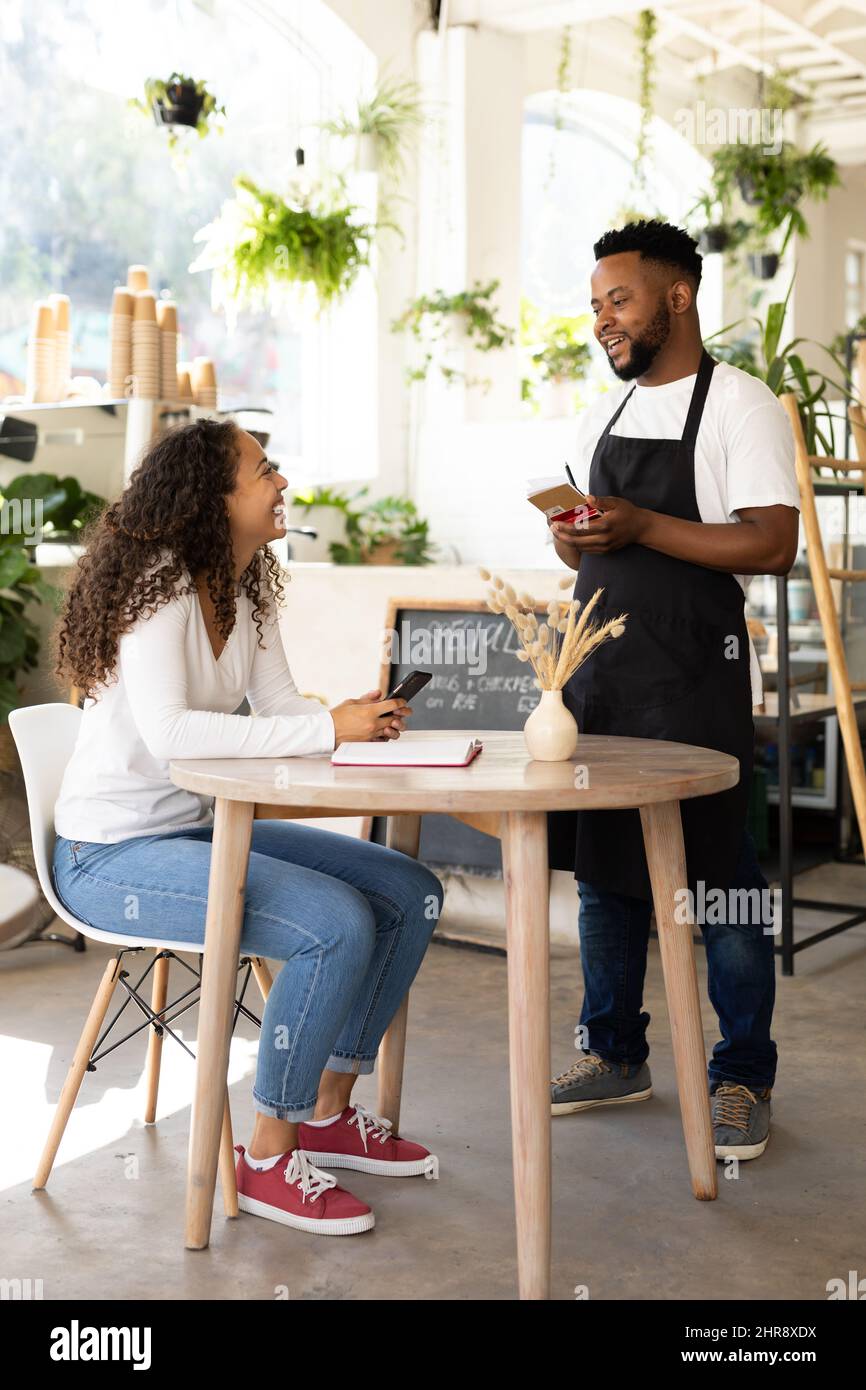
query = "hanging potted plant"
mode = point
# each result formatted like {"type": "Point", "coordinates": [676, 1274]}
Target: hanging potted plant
{"type": "Point", "coordinates": [720, 232]}
{"type": "Point", "coordinates": [383, 126]}
{"type": "Point", "coordinates": [441, 321]}
{"type": "Point", "coordinates": [561, 358]}
{"type": "Point", "coordinates": [264, 249]}
{"type": "Point", "coordinates": [180, 101]}
{"type": "Point", "coordinates": [775, 184]}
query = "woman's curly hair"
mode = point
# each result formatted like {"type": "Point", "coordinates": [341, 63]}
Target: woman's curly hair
{"type": "Point", "coordinates": [170, 518]}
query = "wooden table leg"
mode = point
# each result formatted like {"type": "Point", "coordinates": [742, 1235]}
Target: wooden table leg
{"type": "Point", "coordinates": [404, 834]}
{"type": "Point", "coordinates": [527, 882]}
{"type": "Point", "coordinates": [663, 838]}
{"type": "Point", "coordinates": [233, 822]}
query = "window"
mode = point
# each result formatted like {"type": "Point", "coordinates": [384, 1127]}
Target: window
{"type": "Point", "coordinates": [577, 176]}
{"type": "Point", "coordinates": [88, 186]}
{"type": "Point", "coordinates": [855, 284]}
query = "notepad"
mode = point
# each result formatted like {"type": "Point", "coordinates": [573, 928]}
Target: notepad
{"type": "Point", "coordinates": [408, 752]}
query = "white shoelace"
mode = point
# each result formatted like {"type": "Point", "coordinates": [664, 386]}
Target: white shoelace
{"type": "Point", "coordinates": [375, 1125]}
{"type": "Point", "coordinates": [311, 1181]}
{"type": "Point", "coordinates": [379, 1128]}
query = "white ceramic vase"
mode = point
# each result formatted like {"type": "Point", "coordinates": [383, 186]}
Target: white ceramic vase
{"type": "Point", "coordinates": [551, 729]}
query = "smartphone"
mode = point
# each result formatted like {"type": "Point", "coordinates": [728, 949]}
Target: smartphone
{"type": "Point", "coordinates": [410, 685]}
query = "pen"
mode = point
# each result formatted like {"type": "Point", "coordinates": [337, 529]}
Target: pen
{"type": "Point", "coordinates": [568, 474]}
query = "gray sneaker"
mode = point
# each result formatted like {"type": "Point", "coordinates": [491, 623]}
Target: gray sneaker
{"type": "Point", "coordinates": [593, 1081]}
{"type": "Point", "coordinates": [741, 1121]}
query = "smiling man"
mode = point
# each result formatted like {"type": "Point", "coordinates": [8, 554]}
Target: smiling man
{"type": "Point", "coordinates": [692, 463]}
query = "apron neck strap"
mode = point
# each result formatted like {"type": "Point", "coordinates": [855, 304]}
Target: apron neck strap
{"type": "Point", "coordinates": [616, 414]}
{"type": "Point", "coordinates": [699, 396]}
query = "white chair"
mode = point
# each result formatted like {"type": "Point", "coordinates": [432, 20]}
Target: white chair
{"type": "Point", "coordinates": [45, 736]}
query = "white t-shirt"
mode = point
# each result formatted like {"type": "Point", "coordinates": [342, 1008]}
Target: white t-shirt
{"type": "Point", "coordinates": [744, 456]}
{"type": "Point", "coordinates": [171, 698]}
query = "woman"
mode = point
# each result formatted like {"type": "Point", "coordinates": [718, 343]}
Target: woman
{"type": "Point", "coordinates": [170, 621]}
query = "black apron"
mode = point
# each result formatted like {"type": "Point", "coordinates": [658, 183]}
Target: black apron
{"type": "Point", "coordinates": [680, 671]}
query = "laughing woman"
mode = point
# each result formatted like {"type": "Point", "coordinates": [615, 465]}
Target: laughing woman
{"type": "Point", "coordinates": [171, 619]}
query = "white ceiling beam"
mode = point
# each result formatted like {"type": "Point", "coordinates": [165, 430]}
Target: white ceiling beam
{"type": "Point", "coordinates": [819, 11]}
{"type": "Point", "coordinates": [846, 35]}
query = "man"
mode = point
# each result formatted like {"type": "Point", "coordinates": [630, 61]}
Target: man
{"type": "Point", "coordinates": [692, 463]}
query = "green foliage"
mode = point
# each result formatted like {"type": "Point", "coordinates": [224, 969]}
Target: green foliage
{"type": "Point", "coordinates": [645, 30]}
{"type": "Point", "coordinates": [427, 319]}
{"type": "Point", "coordinates": [774, 183]}
{"type": "Point", "coordinates": [839, 344]}
{"type": "Point", "coordinates": [261, 243]}
{"type": "Point", "coordinates": [65, 508]}
{"type": "Point", "coordinates": [393, 115]}
{"type": "Point", "coordinates": [782, 369]}
{"type": "Point", "coordinates": [559, 347]}
{"type": "Point", "coordinates": [158, 93]}
{"type": "Point", "coordinates": [389, 520]}
{"type": "Point", "coordinates": [325, 497]}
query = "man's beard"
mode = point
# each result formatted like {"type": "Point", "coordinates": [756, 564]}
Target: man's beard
{"type": "Point", "coordinates": [644, 350]}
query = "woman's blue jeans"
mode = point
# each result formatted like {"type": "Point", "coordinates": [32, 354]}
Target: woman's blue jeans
{"type": "Point", "coordinates": [351, 920]}
{"type": "Point", "coordinates": [741, 972]}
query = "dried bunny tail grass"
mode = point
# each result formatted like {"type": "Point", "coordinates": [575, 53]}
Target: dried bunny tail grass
{"type": "Point", "coordinates": [498, 583]}
{"type": "Point", "coordinates": [567, 583]}
{"type": "Point", "coordinates": [485, 575]}
{"type": "Point", "coordinates": [510, 593]}
{"type": "Point", "coordinates": [522, 655]}
{"type": "Point", "coordinates": [559, 678]}
{"type": "Point", "coordinates": [527, 600]}
{"type": "Point", "coordinates": [614, 628]}
{"type": "Point", "coordinates": [544, 634]}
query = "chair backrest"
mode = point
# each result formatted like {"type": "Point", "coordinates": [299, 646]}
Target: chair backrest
{"type": "Point", "coordinates": [45, 737]}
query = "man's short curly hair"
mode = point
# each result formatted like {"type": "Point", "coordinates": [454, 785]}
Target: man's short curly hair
{"type": "Point", "coordinates": [655, 241]}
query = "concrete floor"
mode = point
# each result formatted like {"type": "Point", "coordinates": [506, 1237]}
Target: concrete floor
{"type": "Point", "coordinates": [110, 1223]}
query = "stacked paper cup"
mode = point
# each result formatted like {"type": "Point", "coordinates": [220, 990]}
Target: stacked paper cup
{"type": "Point", "coordinates": [62, 353]}
{"type": "Point", "coordinates": [184, 382]}
{"type": "Point", "coordinates": [40, 353]}
{"type": "Point", "coordinates": [166, 318]}
{"type": "Point", "coordinates": [204, 386]}
{"type": "Point", "coordinates": [137, 278]}
{"type": "Point", "coordinates": [146, 357]}
{"type": "Point", "coordinates": [120, 344]}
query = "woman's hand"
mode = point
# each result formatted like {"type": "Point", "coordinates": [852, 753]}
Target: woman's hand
{"type": "Point", "coordinates": [369, 719]}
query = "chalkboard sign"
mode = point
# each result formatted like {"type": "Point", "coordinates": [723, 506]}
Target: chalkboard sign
{"type": "Point", "coordinates": [478, 683]}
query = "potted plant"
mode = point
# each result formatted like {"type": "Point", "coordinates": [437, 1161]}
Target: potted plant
{"type": "Point", "coordinates": [774, 184]}
{"type": "Point", "coordinates": [440, 320]}
{"type": "Point", "coordinates": [263, 247]}
{"type": "Point", "coordinates": [327, 510]}
{"type": "Point", "coordinates": [560, 355]}
{"type": "Point", "coordinates": [388, 532]}
{"type": "Point", "coordinates": [720, 231]}
{"type": "Point", "coordinates": [180, 101]}
{"type": "Point", "coordinates": [783, 370]}
{"type": "Point", "coordinates": [62, 508]}
{"type": "Point", "coordinates": [645, 30]}
{"type": "Point", "coordinates": [383, 126]}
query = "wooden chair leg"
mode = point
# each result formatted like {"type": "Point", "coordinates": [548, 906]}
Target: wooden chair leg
{"type": "Point", "coordinates": [158, 997]}
{"type": "Point", "coordinates": [403, 834]}
{"type": "Point", "coordinates": [228, 1175]}
{"type": "Point", "coordinates": [75, 1075]}
{"type": "Point", "coordinates": [666, 858]}
{"type": "Point", "coordinates": [264, 979]}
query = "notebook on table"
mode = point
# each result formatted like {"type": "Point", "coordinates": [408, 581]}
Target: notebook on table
{"type": "Point", "coordinates": [403, 752]}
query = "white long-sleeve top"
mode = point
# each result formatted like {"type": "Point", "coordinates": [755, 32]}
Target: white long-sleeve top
{"type": "Point", "coordinates": [170, 697]}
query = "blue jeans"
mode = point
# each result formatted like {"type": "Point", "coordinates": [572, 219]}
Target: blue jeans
{"type": "Point", "coordinates": [351, 920]}
{"type": "Point", "coordinates": [741, 971]}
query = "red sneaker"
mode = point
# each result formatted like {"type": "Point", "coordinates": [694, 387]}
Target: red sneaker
{"type": "Point", "coordinates": [297, 1194]}
{"type": "Point", "coordinates": [359, 1139]}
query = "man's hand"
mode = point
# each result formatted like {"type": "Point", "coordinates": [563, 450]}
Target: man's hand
{"type": "Point", "coordinates": [622, 524]}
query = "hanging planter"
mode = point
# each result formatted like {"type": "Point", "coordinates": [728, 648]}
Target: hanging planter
{"type": "Point", "coordinates": [263, 248]}
{"type": "Point", "coordinates": [763, 265]}
{"type": "Point", "coordinates": [714, 240]}
{"type": "Point", "coordinates": [180, 101]}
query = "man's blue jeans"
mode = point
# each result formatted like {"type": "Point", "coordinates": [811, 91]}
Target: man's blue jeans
{"type": "Point", "coordinates": [351, 919]}
{"type": "Point", "coordinates": [614, 932]}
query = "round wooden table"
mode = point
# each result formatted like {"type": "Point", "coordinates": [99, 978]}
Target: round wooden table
{"type": "Point", "coordinates": [505, 793]}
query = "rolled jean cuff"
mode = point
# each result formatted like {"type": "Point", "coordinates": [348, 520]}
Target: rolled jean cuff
{"type": "Point", "coordinates": [295, 1114]}
{"type": "Point", "coordinates": [355, 1066]}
